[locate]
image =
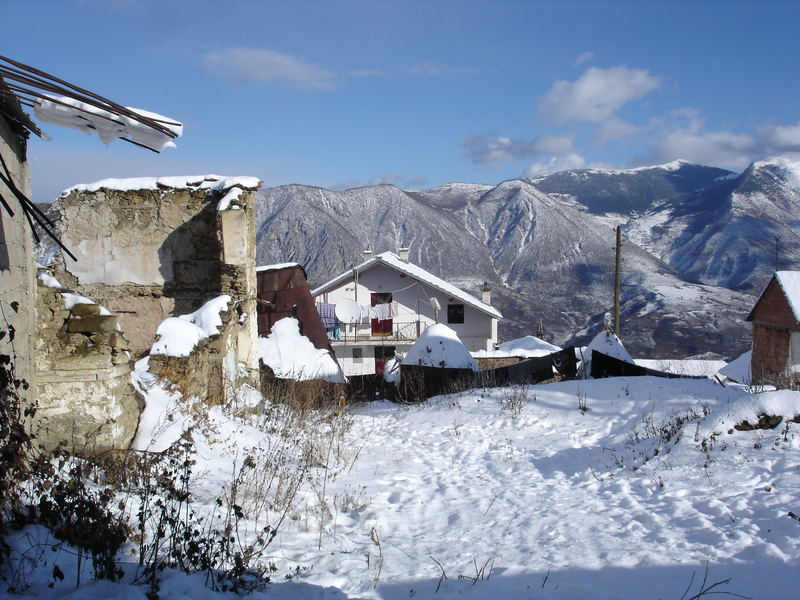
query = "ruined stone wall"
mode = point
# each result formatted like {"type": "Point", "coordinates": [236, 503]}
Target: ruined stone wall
{"type": "Point", "coordinates": [17, 273]}
{"type": "Point", "coordinates": [149, 254]}
{"type": "Point", "coordinates": [83, 370]}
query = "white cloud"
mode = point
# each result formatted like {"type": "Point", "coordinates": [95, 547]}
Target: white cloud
{"type": "Point", "coordinates": [583, 57]}
{"type": "Point", "coordinates": [416, 182]}
{"type": "Point", "coordinates": [555, 164]}
{"type": "Point", "coordinates": [596, 94]}
{"type": "Point", "coordinates": [390, 178]}
{"type": "Point", "coordinates": [614, 129]}
{"type": "Point", "coordinates": [485, 149]}
{"type": "Point", "coordinates": [718, 148]}
{"type": "Point", "coordinates": [268, 66]}
{"type": "Point", "coordinates": [780, 138]}
{"type": "Point", "coordinates": [434, 69]}
{"type": "Point", "coordinates": [346, 184]}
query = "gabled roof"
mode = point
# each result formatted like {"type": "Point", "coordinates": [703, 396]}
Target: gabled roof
{"type": "Point", "coordinates": [789, 282]}
{"type": "Point", "coordinates": [391, 260]}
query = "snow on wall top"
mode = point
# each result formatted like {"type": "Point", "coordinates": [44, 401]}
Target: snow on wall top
{"type": "Point", "coordinates": [219, 183]}
{"type": "Point", "coordinates": [439, 346]}
{"type": "Point", "coordinates": [276, 267]}
{"type": "Point", "coordinates": [74, 114]}
{"type": "Point", "coordinates": [178, 336]}
{"type": "Point", "coordinates": [390, 259]}
{"type": "Point", "coordinates": [790, 284]}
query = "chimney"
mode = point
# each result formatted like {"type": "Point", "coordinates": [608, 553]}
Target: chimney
{"type": "Point", "coordinates": [367, 254]}
{"type": "Point", "coordinates": [403, 254]}
{"type": "Point", "coordinates": [486, 296]}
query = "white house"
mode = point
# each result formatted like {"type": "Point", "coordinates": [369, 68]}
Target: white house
{"type": "Point", "coordinates": [397, 301]}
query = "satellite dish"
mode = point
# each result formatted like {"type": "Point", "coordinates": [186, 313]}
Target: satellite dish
{"type": "Point", "coordinates": [347, 311]}
{"type": "Point", "coordinates": [435, 304]}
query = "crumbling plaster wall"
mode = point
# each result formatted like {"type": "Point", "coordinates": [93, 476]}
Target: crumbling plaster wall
{"type": "Point", "coordinates": [83, 382]}
{"type": "Point", "coordinates": [17, 273]}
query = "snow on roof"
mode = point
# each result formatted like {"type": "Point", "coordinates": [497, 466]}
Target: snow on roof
{"type": "Point", "coordinates": [292, 355]}
{"type": "Point", "coordinates": [790, 284]}
{"type": "Point", "coordinates": [178, 336]}
{"type": "Point", "coordinates": [529, 343]}
{"type": "Point", "coordinates": [276, 267]}
{"type": "Point", "coordinates": [74, 114]}
{"type": "Point", "coordinates": [739, 369]}
{"type": "Point", "coordinates": [390, 259]}
{"type": "Point", "coordinates": [219, 183]}
{"type": "Point", "coordinates": [528, 346]}
{"type": "Point", "coordinates": [439, 346]}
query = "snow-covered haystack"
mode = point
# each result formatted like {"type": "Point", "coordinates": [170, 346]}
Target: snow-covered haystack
{"type": "Point", "coordinates": [437, 363]}
{"type": "Point", "coordinates": [606, 343]}
{"type": "Point", "coordinates": [610, 345]}
{"type": "Point", "coordinates": [292, 355]}
{"type": "Point", "coordinates": [439, 347]}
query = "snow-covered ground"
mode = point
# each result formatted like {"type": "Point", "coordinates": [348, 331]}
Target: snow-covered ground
{"type": "Point", "coordinates": [516, 493]}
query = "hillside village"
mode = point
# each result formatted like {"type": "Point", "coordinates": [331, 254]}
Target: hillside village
{"type": "Point", "coordinates": [150, 328]}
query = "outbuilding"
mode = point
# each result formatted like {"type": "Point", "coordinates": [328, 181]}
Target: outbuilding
{"type": "Point", "coordinates": [776, 331]}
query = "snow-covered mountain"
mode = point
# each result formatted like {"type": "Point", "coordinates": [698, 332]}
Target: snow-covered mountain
{"type": "Point", "coordinates": [546, 257]}
{"type": "Point", "coordinates": [726, 234]}
{"type": "Point", "coordinates": [630, 191]}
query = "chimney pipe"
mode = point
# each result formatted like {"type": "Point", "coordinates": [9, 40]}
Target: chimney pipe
{"type": "Point", "coordinates": [486, 296]}
{"type": "Point", "coordinates": [403, 254]}
{"type": "Point", "coordinates": [367, 254]}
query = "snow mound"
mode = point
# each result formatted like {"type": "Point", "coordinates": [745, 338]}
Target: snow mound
{"type": "Point", "coordinates": [49, 280]}
{"type": "Point", "coordinates": [439, 346]}
{"type": "Point", "coordinates": [738, 369]}
{"type": "Point", "coordinates": [178, 336]}
{"type": "Point", "coordinates": [291, 355]}
{"type": "Point", "coordinates": [780, 403]}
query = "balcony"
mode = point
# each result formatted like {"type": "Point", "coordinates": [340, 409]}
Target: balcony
{"type": "Point", "coordinates": [401, 331]}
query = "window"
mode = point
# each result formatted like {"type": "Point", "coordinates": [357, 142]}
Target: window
{"type": "Point", "coordinates": [358, 355]}
{"type": "Point", "coordinates": [455, 313]}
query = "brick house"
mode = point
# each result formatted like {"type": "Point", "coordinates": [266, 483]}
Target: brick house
{"type": "Point", "coordinates": [776, 330]}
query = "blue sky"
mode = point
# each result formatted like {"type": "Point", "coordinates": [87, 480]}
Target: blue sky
{"type": "Point", "coordinates": [346, 93]}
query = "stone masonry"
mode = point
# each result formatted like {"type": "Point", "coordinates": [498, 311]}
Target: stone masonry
{"type": "Point", "coordinates": [84, 392]}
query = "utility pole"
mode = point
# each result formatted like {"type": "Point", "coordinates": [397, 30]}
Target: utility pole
{"type": "Point", "coordinates": [617, 278]}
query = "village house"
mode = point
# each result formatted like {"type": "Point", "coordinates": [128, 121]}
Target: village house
{"type": "Point", "coordinates": [776, 331]}
{"type": "Point", "coordinates": [380, 308]}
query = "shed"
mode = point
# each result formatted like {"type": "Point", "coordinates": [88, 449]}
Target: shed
{"type": "Point", "coordinates": [776, 330]}
{"type": "Point", "coordinates": [283, 291]}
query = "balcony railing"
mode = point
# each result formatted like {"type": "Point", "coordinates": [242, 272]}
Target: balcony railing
{"type": "Point", "coordinates": [403, 331]}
